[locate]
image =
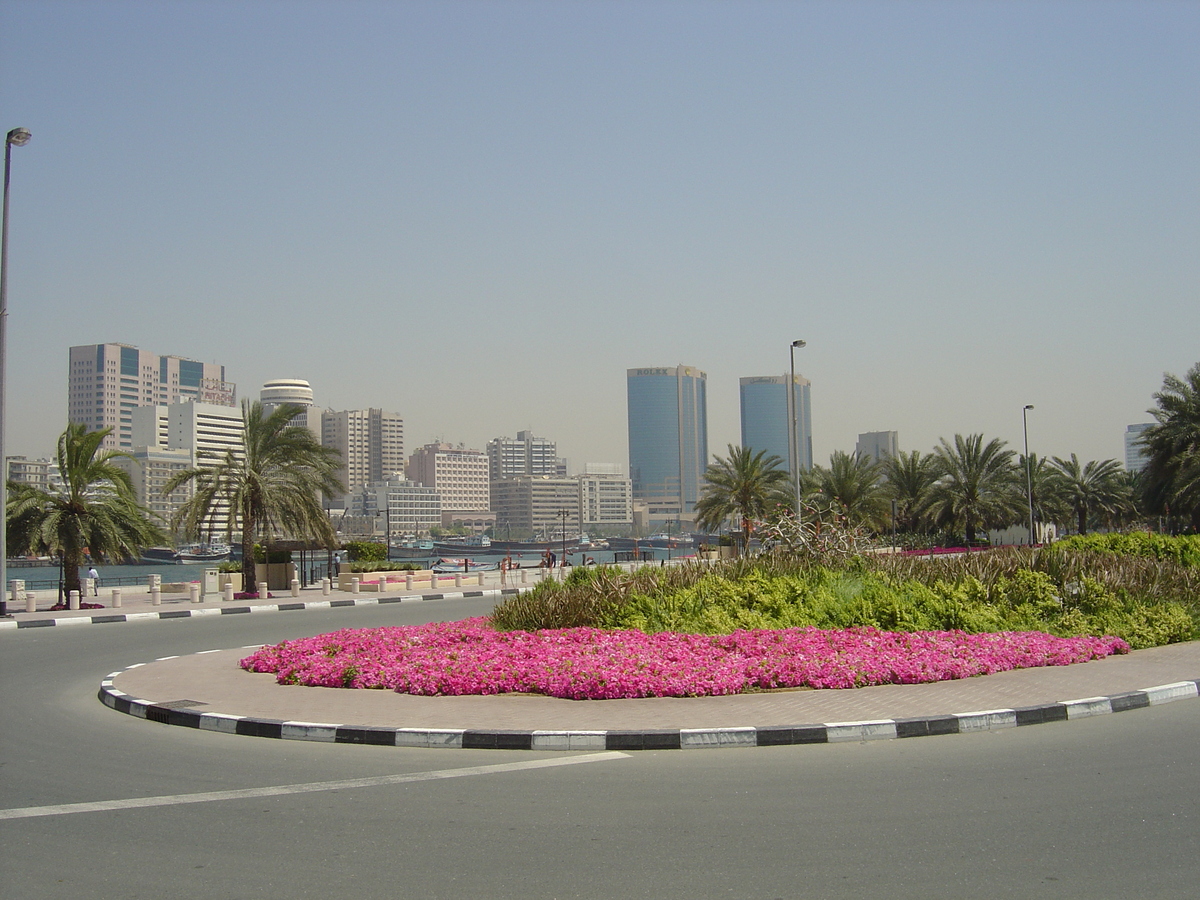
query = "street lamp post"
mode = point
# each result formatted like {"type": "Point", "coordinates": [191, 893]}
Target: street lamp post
{"type": "Point", "coordinates": [18, 137]}
{"type": "Point", "coordinates": [793, 439]}
{"type": "Point", "coordinates": [564, 513]}
{"type": "Point", "coordinates": [1028, 470]}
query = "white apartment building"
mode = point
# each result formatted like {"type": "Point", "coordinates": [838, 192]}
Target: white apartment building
{"type": "Point", "coordinates": [524, 455]}
{"type": "Point", "coordinates": [150, 468]}
{"type": "Point", "coordinates": [605, 499]}
{"type": "Point", "coordinates": [371, 442]}
{"type": "Point", "coordinates": [459, 475]}
{"type": "Point", "coordinates": [204, 432]}
{"type": "Point", "coordinates": [106, 382]}
{"type": "Point", "coordinates": [399, 508]}
{"type": "Point", "coordinates": [41, 473]}
{"type": "Point", "coordinates": [528, 505]}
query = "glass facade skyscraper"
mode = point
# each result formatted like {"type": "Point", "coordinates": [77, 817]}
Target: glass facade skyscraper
{"type": "Point", "coordinates": [765, 417]}
{"type": "Point", "coordinates": [668, 437]}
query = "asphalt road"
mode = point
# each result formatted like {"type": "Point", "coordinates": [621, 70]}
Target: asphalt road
{"type": "Point", "coordinates": [1098, 807]}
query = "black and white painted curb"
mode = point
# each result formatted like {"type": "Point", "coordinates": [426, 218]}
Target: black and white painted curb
{"type": "Point", "coordinates": [108, 619]}
{"type": "Point", "coordinates": [182, 712]}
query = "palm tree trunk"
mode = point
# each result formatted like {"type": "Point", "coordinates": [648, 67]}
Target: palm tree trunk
{"type": "Point", "coordinates": [249, 584]}
{"type": "Point", "coordinates": [72, 558]}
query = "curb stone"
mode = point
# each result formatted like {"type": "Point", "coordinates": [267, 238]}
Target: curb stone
{"type": "Point", "coordinates": [178, 713]}
{"type": "Point", "coordinates": [111, 618]}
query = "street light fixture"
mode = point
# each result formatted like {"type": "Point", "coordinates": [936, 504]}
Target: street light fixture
{"type": "Point", "coordinates": [18, 137]}
{"type": "Point", "coordinates": [1028, 470]}
{"type": "Point", "coordinates": [793, 441]}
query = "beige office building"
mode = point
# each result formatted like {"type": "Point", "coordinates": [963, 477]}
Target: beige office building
{"type": "Point", "coordinates": [106, 382]}
{"type": "Point", "coordinates": [371, 442]}
{"type": "Point", "coordinates": [459, 475]}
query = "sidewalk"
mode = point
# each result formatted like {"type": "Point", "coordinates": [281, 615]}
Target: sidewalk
{"type": "Point", "coordinates": [137, 605]}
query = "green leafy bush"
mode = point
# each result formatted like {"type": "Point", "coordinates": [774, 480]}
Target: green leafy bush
{"type": "Point", "coordinates": [1182, 549]}
{"type": "Point", "coordinates": [1006, 591]}
{"type": "Point", "coordinates": [365, 550]}
{"type": "Point", "coordinates": [375, 566]}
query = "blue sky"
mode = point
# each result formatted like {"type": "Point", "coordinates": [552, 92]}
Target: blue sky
{"type": "Point", "coordinates": [480, 214]}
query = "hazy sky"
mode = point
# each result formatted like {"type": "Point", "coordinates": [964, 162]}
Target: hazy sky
{"type": "Point", "coordinates": [480, 214]}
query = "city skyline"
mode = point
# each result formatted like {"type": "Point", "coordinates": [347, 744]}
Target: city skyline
{"type": "Point", "coordinates": [481, 215]}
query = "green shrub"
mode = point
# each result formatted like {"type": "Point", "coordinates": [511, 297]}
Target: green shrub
{"type": "Point", "coordinates": [365, 551]}
{"type": "Point", "coordinates": [1142, 601]}
{"type": "Point", "coordinates": [1182, 549]}
{"type": "Point", "coordinates": [374, 566]}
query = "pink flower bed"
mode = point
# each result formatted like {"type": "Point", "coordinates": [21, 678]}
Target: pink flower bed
{"type": "Point", "coordinates": [469, 657]}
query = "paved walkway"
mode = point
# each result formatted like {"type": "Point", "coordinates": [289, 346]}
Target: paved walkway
{"type": "Point", "coordinates": [136, 604]}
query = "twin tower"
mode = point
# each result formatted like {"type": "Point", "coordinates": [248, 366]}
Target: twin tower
{"type": "Point", "coordinates": [668, 432]}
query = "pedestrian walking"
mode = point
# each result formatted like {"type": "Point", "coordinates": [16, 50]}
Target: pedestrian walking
{"type": "Point", "coordinates": [95, 576]}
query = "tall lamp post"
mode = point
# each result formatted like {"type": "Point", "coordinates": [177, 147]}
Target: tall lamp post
{"type": "Point", "coordinates": [564, 513]}
{"type": "Point", "coordinates": [1028, 470]}
{"type": "Point", "coordinates": [18, 137]}
{"type": "Point", "coordinates": [793, 440]}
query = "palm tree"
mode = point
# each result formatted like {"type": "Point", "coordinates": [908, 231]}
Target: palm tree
{"type": "Point", "coordinates": [1172, 474]}
{"type": "Point", "coordinates": [910, 480]}
{"type": "Point", "coordinates": [94, 511]}
{"type": "Point", "coordinates": [747, 484]}
{"type": "Point", "coordinates": [270, 485]}
{"type": "Point", "coordinates": [1043, 487]}
{"type": "Point", "coordinates": [979, 487]}
{"type": "Point", "coordinates": [852, 487]}
{"type": "Point", "coordinates": [1088, 489]}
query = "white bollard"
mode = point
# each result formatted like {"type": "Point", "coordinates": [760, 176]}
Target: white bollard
{"type": "Point", "coordinates": [229, 590]}
{"type": "Point", "coordinates": [524, 576]}
{"type": "Point", "coordinates": [408, 581]}
{"type": "Point", "coordinates": [155, 596]}
{"type": "Point", "coordinates": [295, 587]}
{"type": "Point", "coordinates": [194, 592]}
{"type": "Point", "coordinates": [263, 593]}
{"type": "Point", "coordinates": [116, 598]}
{"type": "Point", "coordinates": [326, 587]}
{"type": "Point", "coordinates": [479, 579]}
{"type": "Point", "coordinates": [354, 585]}
{"type": "Point", "coordinates": [30, 602]}
{"type": "Point", "coordinates": [18, 589]}
{"type": "Point", "coordinates": [73, 600]}
{"type": "Point", "coordinates": [458, 579]}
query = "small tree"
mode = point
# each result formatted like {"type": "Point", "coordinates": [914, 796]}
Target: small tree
{"type": "Point", "coordinates": [272, 484]}
{"type": "Point", "coordinates": [746, 485]}
{"type": "Point", "coordinates": [94, 512]}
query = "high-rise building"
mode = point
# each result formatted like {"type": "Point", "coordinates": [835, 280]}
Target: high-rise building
{"type": "Point", "coordinates": [765, 417]}
{"type": "Point", "coordinates": [526, 506]}
{"type": "Point", "coordinates": [1136, 457]}
{"type": "Point", "coordinates": [605, 497]}
{"type": "Point", "coordinates": [285, 390]}
{"type": "Point", "coordinates": [150, 468]}
{"type": "Point", "coordinates": [371, 442]}
{"type": "Point", "coordinates": [668, 438]}
{"type": "Point", "coordinates": [459, 475]}
{"type": "Point", "coordinates": [106, 382]}
{"type": "Point", "coordinates": [400, 508]}
{"type": "Point", "coordinates": [166, 437]}
{"type": "Point", "coordinates": [526, 455]}
{"type": "Point", "coordinates": [877, 445]}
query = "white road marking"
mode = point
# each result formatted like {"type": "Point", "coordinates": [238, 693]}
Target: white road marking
{"type": "Point", "coordinates": [67, 809]}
